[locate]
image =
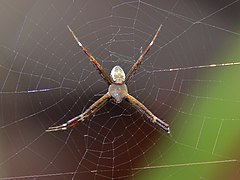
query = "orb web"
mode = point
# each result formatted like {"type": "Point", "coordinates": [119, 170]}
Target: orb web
{"type": "Point", "coordinates": [189, 78]}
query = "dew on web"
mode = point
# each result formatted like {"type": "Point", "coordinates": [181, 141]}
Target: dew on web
{"type": "Point", "coordinates": [189, 78]}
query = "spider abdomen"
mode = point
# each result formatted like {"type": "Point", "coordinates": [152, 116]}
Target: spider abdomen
{"type": "Point", "coordinates": [118, 92]}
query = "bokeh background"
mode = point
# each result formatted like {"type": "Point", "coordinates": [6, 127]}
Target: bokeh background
{"type": "Point", "coordinates": [45, 80]}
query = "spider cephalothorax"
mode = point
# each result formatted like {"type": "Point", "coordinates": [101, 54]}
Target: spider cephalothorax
{"type": "Point", "coordinates": [117, 90]}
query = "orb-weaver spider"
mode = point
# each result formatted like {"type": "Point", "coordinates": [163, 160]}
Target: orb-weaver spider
{"type": "Point", "coordinates": [117, 90]}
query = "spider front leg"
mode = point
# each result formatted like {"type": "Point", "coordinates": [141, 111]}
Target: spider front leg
{"type": "Point", "coordinates": [154, 119]}
{"type": "Point", "coordinates": [139, 60]}
{"type": "Point", "coordinates": [92, 59]}
{"type": "Point", "coordinates": [80, 118]}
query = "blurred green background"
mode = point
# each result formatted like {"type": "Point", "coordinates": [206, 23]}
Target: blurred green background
{"type": "Point", "coordinates": [207, 147]}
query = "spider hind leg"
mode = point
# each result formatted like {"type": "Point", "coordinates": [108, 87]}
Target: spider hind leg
{"type": "Point", "coordinates": [64, 126]}
{"type": "Point", "coordinates": [154, 119]}
{"type": "Point", "coordinates": [162, 124]}
{"type": "Point", "coordinates": [80, 118]}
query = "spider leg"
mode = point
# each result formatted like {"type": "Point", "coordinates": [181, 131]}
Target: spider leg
{"type": "Point", "coordinates": [139, 60]}
{"type": "Point", "coordinates": [80, 118]}
{"type": "Point", "coordinates": [92, 59]}
{"type": "Point", "coordinates": [154, 119]}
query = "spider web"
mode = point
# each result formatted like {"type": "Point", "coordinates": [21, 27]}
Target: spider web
{"type": "Point", "coordinates": [190, 78]}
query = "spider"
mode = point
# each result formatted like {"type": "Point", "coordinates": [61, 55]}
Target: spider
{"type": "Point", "coordinates": [117, 90]}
